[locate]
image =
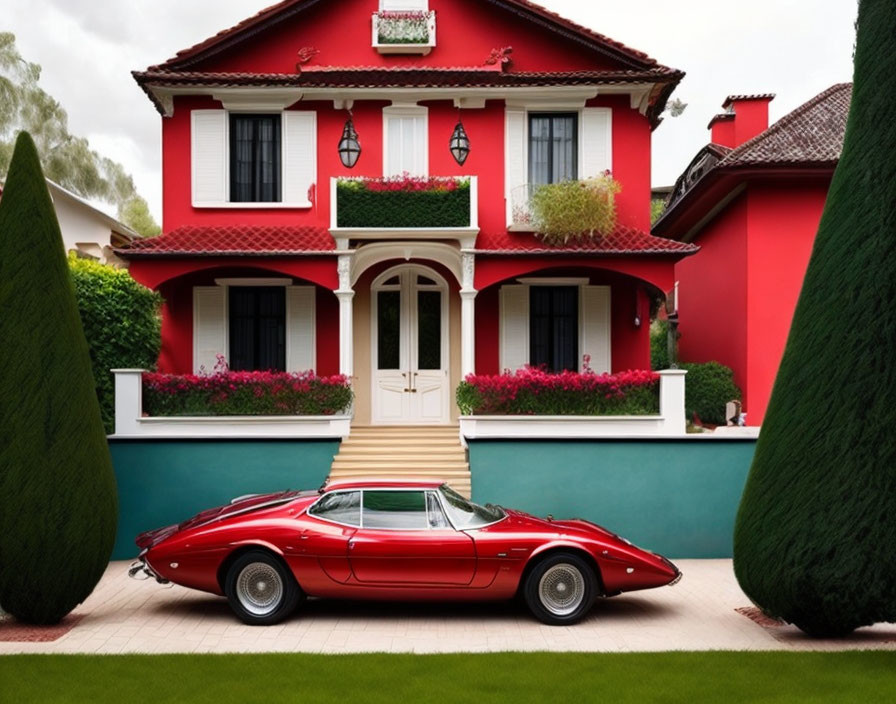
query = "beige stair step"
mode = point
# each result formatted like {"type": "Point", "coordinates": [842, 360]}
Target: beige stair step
{"type": "Point", "coordinates": [396, 455]}
{"type": "Point", "coordinates": [395, 440]}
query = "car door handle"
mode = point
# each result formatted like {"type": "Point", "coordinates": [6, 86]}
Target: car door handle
{"type": "Point", "coordinates": [351, 544]}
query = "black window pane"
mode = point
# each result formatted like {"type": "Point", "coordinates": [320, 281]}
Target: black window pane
{"type": "Point", "coordinates": [257, 328]}
{"type": "Point", "coordinates": [553, 148]}
{"type": "Point", "coordinates": [341, 508]}
{"type": "Point", "coordinates": [429, 330]}
{"type": "Point", "coordinates": [554, 327]}
{"type": "Point", "coordinates": [396, 510]}
{"type": "Point", "coordinates": [255, 148]}
{"type": "Point", "coordinates": [389, 330]}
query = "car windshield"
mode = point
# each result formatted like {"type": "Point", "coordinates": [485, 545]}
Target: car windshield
{"type": "Point", "coordinates": [465, 514]}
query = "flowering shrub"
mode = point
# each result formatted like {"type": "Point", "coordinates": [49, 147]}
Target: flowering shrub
{"type": "Point", "coordinates": [227, 393]}
{"type": "Point", "coordinates": [403, 27]}
{"type": "Point", "coordinates": [403, 201]}
{"type": "Point", "coordinates": [574, 209]}
{"type": "Point", "coordinates": [534, 391]}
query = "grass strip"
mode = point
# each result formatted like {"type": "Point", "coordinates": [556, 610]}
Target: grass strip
{"type": "Point", "coordinates": [731, 677]}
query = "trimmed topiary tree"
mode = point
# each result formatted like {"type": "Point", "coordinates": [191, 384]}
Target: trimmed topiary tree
{"type": "Point", "coordinates": [57, 487]}
{"type": "Point", "coordinates": [816, 530]}
{"type": "Point", "coordinates": [122, 324]}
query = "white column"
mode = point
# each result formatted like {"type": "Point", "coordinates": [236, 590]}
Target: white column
{"type": "Point", "coordinates": [672, 386]}
{"type": "Point", "coordinates": [346, 296]}
{"type": "Point", "coordinates": [468, 316]}
{"type": "Point", "coordinates": [128, 400]}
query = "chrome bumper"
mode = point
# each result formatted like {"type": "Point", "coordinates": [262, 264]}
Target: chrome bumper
{"type": "Point", "coordinates": [141, 571]}
{"type": "Point", "coordinates": [676, 580]}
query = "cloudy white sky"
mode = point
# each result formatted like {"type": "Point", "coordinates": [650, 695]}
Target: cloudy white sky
{"type": "Point", "coordinates": [794, 48]}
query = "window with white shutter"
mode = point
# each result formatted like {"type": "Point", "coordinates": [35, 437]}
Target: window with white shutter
{"type": "Point", "coordinates": [516, 176]}
{"type": "Point", "coordinates": [595, 321]}
{"type": "Point", "coordinates": [405, 141]}
{"type": "Point", "coordinates": [232, 164]}
{"type": "Point", "coordinates": [514, 327]}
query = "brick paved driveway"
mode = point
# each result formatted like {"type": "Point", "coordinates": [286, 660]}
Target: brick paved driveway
{"type": "Point", "coordinates": [125, 616]}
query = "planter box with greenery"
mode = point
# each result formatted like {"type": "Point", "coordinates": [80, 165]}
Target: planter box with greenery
{"type": "Point", "coordinates": [532, 392]}
{"type": "Point", "coordinates": [245, 394]}
{"type": "Point", "coordinates": [410, 32]}
{"type": "Point", "coordinates": [404, 202]}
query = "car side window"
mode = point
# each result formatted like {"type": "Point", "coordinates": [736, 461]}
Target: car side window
{"type": "Point", "coordinates": [395, 510]}
{"type": "Point", "coordinates": [340, 507]}
{"type": "Point", "coordinates": [434, 512]}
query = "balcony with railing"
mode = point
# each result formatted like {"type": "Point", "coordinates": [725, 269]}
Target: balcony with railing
{"type": "Point", "coordinates": [404, 32]}
{"type": "Point", "coordinates": [405, 206]}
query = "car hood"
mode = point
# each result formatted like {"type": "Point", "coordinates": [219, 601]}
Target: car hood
{"type": "Point", "coordinates": [239, 506]}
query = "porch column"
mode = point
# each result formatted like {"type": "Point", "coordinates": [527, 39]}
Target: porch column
{"type": "Point", "coordinates": [346, 296]}
{"type": "Point", "coordinates": [468, 316]}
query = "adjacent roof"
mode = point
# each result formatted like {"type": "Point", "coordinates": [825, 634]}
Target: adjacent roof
{"type": "Point", "coordinates": [624, 241]}
{"type": "Point", "coordinates": [245, 241]}
{"type": "Point", "coordinates": [285, 10]}
{"type": "Point", "coordinates": [809, 138]}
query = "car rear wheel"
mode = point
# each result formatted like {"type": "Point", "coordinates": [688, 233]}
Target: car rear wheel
{"type": "Point", "coordinates": [560, 589]}
{"type": "Point", "coordinates": [260, 589]}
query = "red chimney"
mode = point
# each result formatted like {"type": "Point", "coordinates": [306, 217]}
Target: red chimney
{"type": "Point", "coordinates": [745, 117]}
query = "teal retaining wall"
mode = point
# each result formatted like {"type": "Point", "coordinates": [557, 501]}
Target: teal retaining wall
{"type": "Point", "coordinates": [676, 497]}
{"type": "Point", "coordinates": [161, 482]}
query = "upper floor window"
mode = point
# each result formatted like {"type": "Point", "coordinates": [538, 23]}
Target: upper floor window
{"type": "Point", "coordinates": [255, 158]}
{"type": "Point", "coordinates": [406, 144]}
{"type": "Point", "coordinates": [553, 148]}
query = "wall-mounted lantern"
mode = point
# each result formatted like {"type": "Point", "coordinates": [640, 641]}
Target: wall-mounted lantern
{"type": "Point", "coordinates": [460, 143]}
{"type": "Point", "coordinates": [349, 146]}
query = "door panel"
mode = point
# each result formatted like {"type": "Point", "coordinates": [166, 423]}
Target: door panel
{"type": "Point", "coordinates": [403, 558]}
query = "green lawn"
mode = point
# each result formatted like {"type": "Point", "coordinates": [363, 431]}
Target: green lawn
{"type": "Point", "coordinates": [865, 677]}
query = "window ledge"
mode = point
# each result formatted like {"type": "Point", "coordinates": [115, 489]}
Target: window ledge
{"type": "Point", "coordinates": [305, 205]}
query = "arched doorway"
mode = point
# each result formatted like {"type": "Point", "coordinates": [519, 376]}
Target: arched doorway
{"type": "Point", "coordinates": [410, 347]}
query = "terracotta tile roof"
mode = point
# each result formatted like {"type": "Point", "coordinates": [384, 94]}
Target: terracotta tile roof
{"type": "Point", "coordinates": [624, 241]}
{"type": "Point", "coordinates": [812, 134]}
{"type": "Point", "coordinates": [756, 96]}
{"type": "Point", "coordinates": [247, 241]}
{"type": "Point", "coordinates": [403, 77]}
{"type": "Point", "coordinates": [288, 8]}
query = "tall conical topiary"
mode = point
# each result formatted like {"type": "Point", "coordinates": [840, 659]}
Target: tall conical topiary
{"type": "Point", "coordinates": [58, 499]}
{"type": "Point", "coordinates": [815, 539]}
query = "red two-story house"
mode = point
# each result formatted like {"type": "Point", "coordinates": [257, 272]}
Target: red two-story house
{"type": "Point", "coordinates": [271, 127]}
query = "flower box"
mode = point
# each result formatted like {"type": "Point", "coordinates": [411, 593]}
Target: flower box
{"type": "Point", "coordinates": [404, 202]}
{"type": "Point", "coordinates": [412, 32]}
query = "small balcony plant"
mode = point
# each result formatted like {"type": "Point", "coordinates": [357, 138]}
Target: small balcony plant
{"type": "Point", "coordinates": [403, 202]}
{"type": "Point", "coordinates": [403, 27]}
{"type": "Point", "coordinates": [569, 210]}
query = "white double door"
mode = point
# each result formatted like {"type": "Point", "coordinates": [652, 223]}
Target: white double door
{"type": "Point", "coordinates": [410, 355]}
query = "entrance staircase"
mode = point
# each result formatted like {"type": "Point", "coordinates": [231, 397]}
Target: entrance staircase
{"type": "Point", "coordinates": [404, 451]}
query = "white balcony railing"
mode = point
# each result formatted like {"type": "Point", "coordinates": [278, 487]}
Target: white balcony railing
{"type": "Point", "coordinates": [390, 35]}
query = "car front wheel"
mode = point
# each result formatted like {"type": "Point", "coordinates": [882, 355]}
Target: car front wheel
{"type": "Point", "coordinates": [260, 589]}
{"type": "Point", "coordinates": [560, 589]}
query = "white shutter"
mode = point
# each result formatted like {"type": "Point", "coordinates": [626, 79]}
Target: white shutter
{"type": "Point", "coordinates": [301, 352]}
{"type": "Point", "coordinates": [209, 327]}
{"type": "Point", "coordinates": [514, 327]}
{"type": "Point", "coordinates": [406, 147]}
{"type": "Point", "coordinates": [516, 161]}
{"type": "Point", "coordinates": [209, 157]}
{"type": "Point", "coordinates": [595, 304]}
{"type": "Point", "coordinates": [299, 156]}
{"type": "Point", "coordinates": [597, 141]}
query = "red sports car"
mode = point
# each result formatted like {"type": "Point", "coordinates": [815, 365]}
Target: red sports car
{"type": "Point", "coordinates": [393, 540]}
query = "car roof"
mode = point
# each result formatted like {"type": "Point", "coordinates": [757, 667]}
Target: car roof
{"type": "Point", "coordinates": [383, 483]}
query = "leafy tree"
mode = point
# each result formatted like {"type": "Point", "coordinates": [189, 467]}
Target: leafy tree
{"type": "Point", "coordinates": [657, 208]}
{"type": "Point", "coordinates": [67, 160]}
{"type": "Point", "coordinates": [57, 487]}
{"type": "Point", "coordinates": [814, 536]}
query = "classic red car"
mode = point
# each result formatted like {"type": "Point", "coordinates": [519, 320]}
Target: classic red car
{"type": "Point", "coordinates": [393, 540]}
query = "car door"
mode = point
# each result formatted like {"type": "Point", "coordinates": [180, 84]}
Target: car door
{"type": "Point", "coordinates": [405, 539]}
{"type": "Point", "coordinates": [327, 529]}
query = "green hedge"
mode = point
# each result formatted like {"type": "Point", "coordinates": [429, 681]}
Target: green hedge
{"type": "Point", "coordinates": [122, 324]}
{"type": "Point", "coordinates": [360, 207]}
{"type": "Point", "coordinates": [708, 387]}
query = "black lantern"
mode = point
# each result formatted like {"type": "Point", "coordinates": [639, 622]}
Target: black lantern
{"type": "Point", "coordinates": [460, 144]}
{"type": "Point", "coordinates": [349, 146]}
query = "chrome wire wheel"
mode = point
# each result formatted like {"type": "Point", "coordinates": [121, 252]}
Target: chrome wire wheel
{"type": "Point", "coordinates": [561, 589]}
{"type": "Point", "coordinates": [259, 588]}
